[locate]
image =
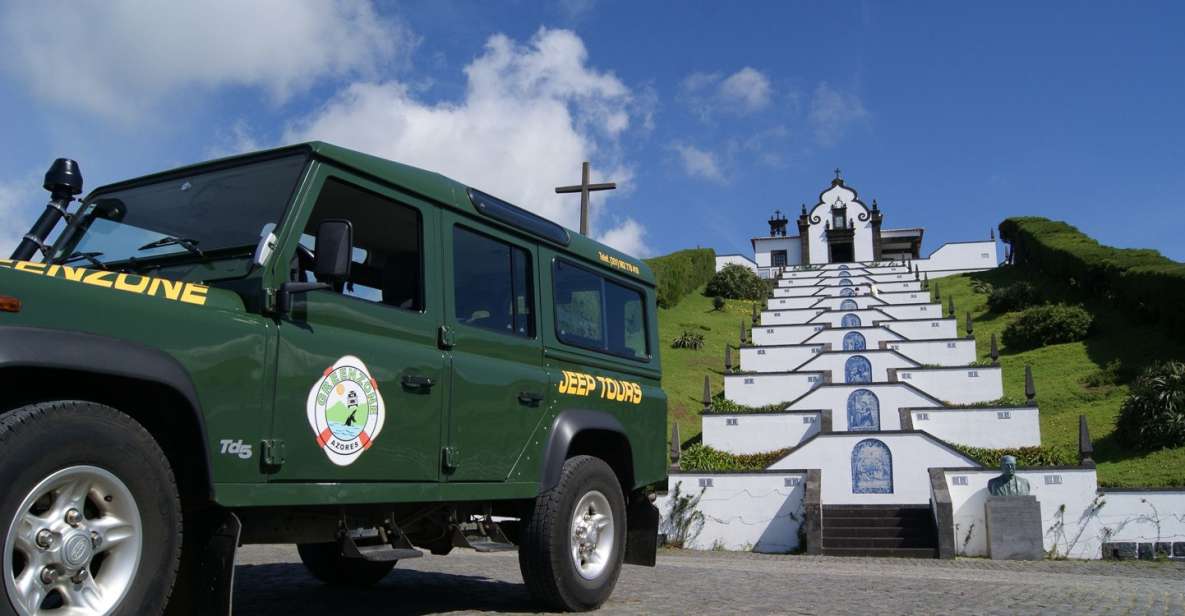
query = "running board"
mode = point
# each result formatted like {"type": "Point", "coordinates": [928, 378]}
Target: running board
{"type": "Point", "coordinates": [377, 545]}
{"type": "Point", "coordinates": [482, 536]}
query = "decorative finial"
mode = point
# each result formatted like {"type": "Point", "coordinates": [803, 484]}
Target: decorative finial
{"type": "Point", "coordinates": [970, 331]}
{"type": "Point", "coordinates": [926, 280]}
{"type": "Point", "coordinates": [875, 207]}
{"type": "Point", "coordinates": [728, 358]}
{"type": "Point", "coordinates": [804, 209]}
{"type": "Point", "coordinates": [1085, 447]}
{"type": "Point", "coordinates": [992, 233]}
{"type": "Point", "coordinates": [837, 174]}
{"type": "Point", "coordinates": [937, 294]}
{"type": "Point", "coordinates": [676, 446]}
{"type": "Point", "coordinates": [1030, 387]}
{"type": "Point", "coordinates": [707, 393]}
{"type": "Point", "coordinates": [995, 351]}
{"type": "Point", "coordinates": [951, 305]}
{"type": "Point", "coordinates": [742, 332]}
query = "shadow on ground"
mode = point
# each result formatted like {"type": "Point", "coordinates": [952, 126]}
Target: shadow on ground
{"type": "Point", "coordinates": [288, 589]}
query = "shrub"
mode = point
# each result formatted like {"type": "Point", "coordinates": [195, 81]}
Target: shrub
{"type": "Point", "coordinates": [1025, 456]}
{"type": "Point", "coordinates": [688, 340]}
{"type": "Point", "coordinates": [684, 521]}
{"type": "Point", "coordinates": [717, 303]}
{"type": "Point", "coordinates": [701, 458]}
{"type": "Point", "coordinates": [1049, 324]}
{"type": "Point", "coordinates": [1016, 296]}
{"type": "Point", "coordinates": [1153, 415]}
{"type": "Point", "coordinates": [1113, 373]}
{"type": "Point", "coordinates": [982, 287]}
{"type": "Point", "coordinates": [737, 282]}
{"type": "Point", "coordinates": [680, 273]}
{"type": "Point", "coordinates": [720, 404]}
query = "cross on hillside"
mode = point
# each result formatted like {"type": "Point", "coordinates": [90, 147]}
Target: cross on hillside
{"type": "Point", "coordinates": [584, 188]}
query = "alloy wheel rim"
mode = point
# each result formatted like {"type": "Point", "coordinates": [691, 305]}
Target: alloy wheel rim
{"type": "Point", "coordinates": [591, 535]}
{"type": "Point", "coordinates": [74, 545]}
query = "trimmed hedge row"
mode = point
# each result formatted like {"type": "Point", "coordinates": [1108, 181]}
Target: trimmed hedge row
{"type": "Point", "coordinates": [1025, 456]}
{"type": "Point", "coordinates": [1143, 281]}
{"type": "Point", "coordinates": [680, 273]}
{"type": "Point", "coordinates": [701, 458]}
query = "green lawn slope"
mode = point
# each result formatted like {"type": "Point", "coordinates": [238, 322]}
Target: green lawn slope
{"type": "Point", "coordinates": [1060, 371]}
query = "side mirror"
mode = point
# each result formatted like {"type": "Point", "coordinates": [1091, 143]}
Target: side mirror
{"type": "Point", "coordinates": [335, 248]}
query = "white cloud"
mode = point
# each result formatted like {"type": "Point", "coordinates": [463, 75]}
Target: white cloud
{"type": "Point", "coordinates": [19, 206]}
{"type": "Point", "coordinates": [698, 162]}
{"type": "Point", "coordinates": [743, 92]}
{"type": "Point", "coordinates": [629, 237]}
{"type": "Point", "coordinates": [832, 112]}
{"type": "Point", "coordinates": [530, 115]}
{"type": "Point", "coordinates": [121, 58]}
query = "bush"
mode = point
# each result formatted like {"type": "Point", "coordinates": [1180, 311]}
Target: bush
{"type": "Point", "coordinates": [1025, 456]}
{"type": "Point", "coordinates": [718, 303]}
{"type": "Point", "coordinates": [1153, 415]}
{"type": "Point", "coordinates": [982, 287]}
{"type": "Point", "coordinates": [737, 282]}
{"type": "Point", "coordinates": [1045, 325]}
{"type": "Point", "coordinates": [1113, 373]}
{"type": "Point", "coordinates": [1016, 296]}
{"type": "Point", "coordinates": [680, 273]}
{"type": "Point", "coordinates": [720, 404]}
{"type": "Point", "coordinates": [1143, 281]}
{"type": "Point", "coordinates": [701, 458]}
{"type": "Point", "coordinates": [688, 340]}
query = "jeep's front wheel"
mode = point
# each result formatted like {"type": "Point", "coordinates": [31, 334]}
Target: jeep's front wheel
{"type": "Point", "coordinates": [574, 540]}
{"type": "Point", "coordinates": [90, 513]}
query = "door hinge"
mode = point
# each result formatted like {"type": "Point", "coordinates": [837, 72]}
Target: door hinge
{"type": "Point", "coordinates": [272, 454]}
{"type": "Point", "coordinates": [448, 459]}
{"type": "Point", "coordinates": [446, 340]}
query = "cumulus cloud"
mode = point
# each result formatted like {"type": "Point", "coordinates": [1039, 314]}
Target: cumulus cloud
{"type": "Point", "coordinates": [745, 91]}
{"type": "Point", "coordinates": [121, 58]}
{"type": "Point", "coordinates": [530, 115]}
{"type": "Point", "coordinates": [832, 112]}
{"type": "Point", "coordinates": [698, 162]}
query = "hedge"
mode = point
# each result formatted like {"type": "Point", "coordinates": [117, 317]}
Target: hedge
{"type": "Point", "coordinates": [1025, 456]}
{"type": "Point", "coordinates": [1049, 324]}
{"type": "Point", "coordinates": [703, 459]}
{"type": "Point", "coordinates": [1142, 281]}
{"type": "Point", "coordinates": [680, 273]}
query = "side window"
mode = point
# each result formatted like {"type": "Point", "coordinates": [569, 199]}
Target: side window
{"type": "Point", "coordinates": [388, 245]}
{"type": "Point", "coordinates": [492, 284]}
{"type": "Point", "coordinates": [595, 313]}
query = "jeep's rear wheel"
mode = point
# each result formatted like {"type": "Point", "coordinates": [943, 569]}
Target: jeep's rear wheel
{"type": "Point", "coordinates": [90, 515]}
{"type": "Point", "coordinates": [574, 540]}
{"type": "Point", "coordinates": [326, 563]}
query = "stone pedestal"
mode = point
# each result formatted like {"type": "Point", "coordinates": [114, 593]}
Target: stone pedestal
{"type": "Point", "coordinates": [1014, 528]}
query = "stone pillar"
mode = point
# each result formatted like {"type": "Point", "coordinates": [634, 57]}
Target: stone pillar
{"type": "Point", "coordinates": [1030, 387]}
{"type": "Point", "coordinates": [812, 508]}
{"type": "Point", "coordinates": [1085, 447]}
{"type": "Point", "coordinates": [707, 394]}
{"type": "Point", "coordinates": [943, 513]}
{"type": "Point", "coordinates": [676, 447]}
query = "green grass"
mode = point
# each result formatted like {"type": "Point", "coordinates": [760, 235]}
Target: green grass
{"type": "Point", "coordinates": [1059, 371]}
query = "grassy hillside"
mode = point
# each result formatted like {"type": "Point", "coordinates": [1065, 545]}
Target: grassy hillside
{"type": "Point", "coordinates": [1060, 371]}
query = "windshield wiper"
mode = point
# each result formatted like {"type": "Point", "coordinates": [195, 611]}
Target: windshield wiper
{"type": "Point", "coordinates": [186, 243]}
{"type": "Point", "coordinates": [89, 257]}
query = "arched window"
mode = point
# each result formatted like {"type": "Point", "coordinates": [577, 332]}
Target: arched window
{"type": "Point", "coordinates": [849, 304]}
{"type": "Point", "coordinates": [864, 411]}
{"type": "Point", "coordinates": [843, 266]}
{"type": "Point", "coordinates": [845, 282]}
{"type": "Point", "coordinates": [850, 320]}
{"type": "Point", "coordinates": [872, 468]}
{"type": "Point", "coordinates": [847, 292]}
{"type": "Point", "coordinates": [854, 341]}
{"type": "Point", "coordinates": [857, 369]}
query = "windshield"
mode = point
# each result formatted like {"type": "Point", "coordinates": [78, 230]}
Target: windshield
{"type": "Point", "coordinates": [219, 211]}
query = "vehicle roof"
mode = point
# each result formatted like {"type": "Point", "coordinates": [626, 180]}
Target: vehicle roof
{"type": "Point", "coordinates": [432, 185]}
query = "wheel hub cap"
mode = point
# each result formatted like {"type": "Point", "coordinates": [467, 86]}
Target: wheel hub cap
{"type": "Point", "coordinates": [76, 551]}
{"type": "Point", "coordinates": [592, 535]}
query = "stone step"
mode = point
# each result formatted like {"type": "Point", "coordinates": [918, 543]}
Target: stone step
{"type": "Point", "coordinates": [862, 509]}
{"type": "Point", "coordinates": [884, 531]}
{"type": "Point", "coordinates": [883, 552]}
{"type": "Point", "coordinates": [878, 542]}
{"type": "Point", "coordinates": [866, 521]}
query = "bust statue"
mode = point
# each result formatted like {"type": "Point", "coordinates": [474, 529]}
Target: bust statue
{"type": "Point", "coordinates": [1008, 484]}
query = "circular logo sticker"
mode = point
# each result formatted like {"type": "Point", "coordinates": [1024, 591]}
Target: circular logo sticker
{"type": "Point", "coordinates": [345, 410]}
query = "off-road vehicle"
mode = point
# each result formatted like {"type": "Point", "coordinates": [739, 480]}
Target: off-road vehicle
{"type": "Point", "coordinates": [314, 346]}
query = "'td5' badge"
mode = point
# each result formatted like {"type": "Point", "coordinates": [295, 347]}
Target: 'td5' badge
{"type": "Point", "coordinates": [345, 410]}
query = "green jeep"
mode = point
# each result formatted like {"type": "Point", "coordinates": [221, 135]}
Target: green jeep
{"type": "Point", "coordinates": [314, 346]}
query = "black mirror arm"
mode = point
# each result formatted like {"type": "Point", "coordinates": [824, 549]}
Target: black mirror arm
{"type": "Point", "coordinates": [288, 289]}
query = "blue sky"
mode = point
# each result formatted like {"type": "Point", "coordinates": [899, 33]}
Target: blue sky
{"type": "Point", "coordinates": [709, 116]}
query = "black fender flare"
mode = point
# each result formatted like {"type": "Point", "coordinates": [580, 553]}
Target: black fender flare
{"type": "Point", "coordinates": [567, 425]}
{"type": "Point", "coordinates": [55, 349]}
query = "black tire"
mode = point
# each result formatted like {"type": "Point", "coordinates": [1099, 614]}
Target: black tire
{"type": "Point", "coordinates": [326, 563]}
{"type": "Point", "coordinates": [41, 439]}
{"type": "Point", "coordinates": [544, 555]}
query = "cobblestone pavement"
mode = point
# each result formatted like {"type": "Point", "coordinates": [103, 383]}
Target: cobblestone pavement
{"type": "Point", "coordinates": [271, 580]}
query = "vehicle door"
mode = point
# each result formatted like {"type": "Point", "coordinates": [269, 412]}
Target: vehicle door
{"type": "Point", "coordinates": [499, 388]}
{"type": "Point", "coordinates": [360, 378]}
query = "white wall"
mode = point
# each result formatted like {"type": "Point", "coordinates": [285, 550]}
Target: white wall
{"type": "Point", "coordinates": [777, 358]}
{"type": "Point", "coordinates": [891, 396]}
{"type": "Point", "coordinates": [792, 303]}
{"type": "Point", "coordinates": [960, 256]}
{"type": "Point", "coordinates": [743, 261]}
{"type": "Point", "coordinates": [817, 233]}
{"type": "Point", "coordinates": [835, 317]}
{"type": "Point", "coordinates": [763, 246]}
{"type": "Point", "coordinates": [994, 428]}
{"type": "Point", "coordinates": [928, 329]}
{"type": "Point", "coordinates": [904, 297]}
{"type": "Point", "coordinates": [882, 361]}
{"type": "Point", "coordinates": [1067, 509]}
{"type": "Point", "coordinates": [898, 277]}
{"type": "Point", "coordinates": [913, 455]}
{"type": "Point", "coordinates": [789, 317]}
{"type": "Point", "coordinates": [825, 281]}
{"type": "Point", "coordinates": [741, 511]}
{"type": "Point", "coordinates": [957, 385]}
{"type": "Point", "coordinates": [873, 336]}
{"type": "Point", "coordinates": [784, 334]}
{"type": "Point", "coordinates": [758, 432]}
{"type": "Point", "coordinates": [956, 352]}
{"type": "Point", "coordinates": [798, 291]}
{"type": "Point", "coordinates": [1143, 516]}
{"type": "Point", "coordinates": [912, 311]}
{"type": "Point", "coordinates": [833, 303]}
{"type": "Point", "coordinates": [758, 389]}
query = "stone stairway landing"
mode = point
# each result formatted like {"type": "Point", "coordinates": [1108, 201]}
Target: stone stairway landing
{"type": "Point", "coordinates": [905, 531]}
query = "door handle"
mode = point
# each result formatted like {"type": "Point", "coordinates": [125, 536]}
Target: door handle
{"type": "Point", "coordinates": [416, 381]}
{"type": "Point", "coordinates": [530, 398]}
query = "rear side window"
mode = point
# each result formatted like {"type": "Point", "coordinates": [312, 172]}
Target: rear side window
{"type": "Point", "coordinates": [596, 313]}
{"type": "Point", "coordinates": [492, 284]}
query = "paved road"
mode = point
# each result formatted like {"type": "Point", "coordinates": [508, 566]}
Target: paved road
{"type": "Point", "coordinates": [272, 581]}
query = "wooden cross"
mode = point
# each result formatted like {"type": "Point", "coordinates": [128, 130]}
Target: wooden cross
{"type": "Point", "coordinates": [837, 172]}
{"type": "Point", "coordinates": [584, 188]}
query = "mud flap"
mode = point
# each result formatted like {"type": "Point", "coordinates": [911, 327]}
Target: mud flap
{"type": "Point", "coordinates": [205, 584]}
{"type": "Point", "coordinates": [641, 539]}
